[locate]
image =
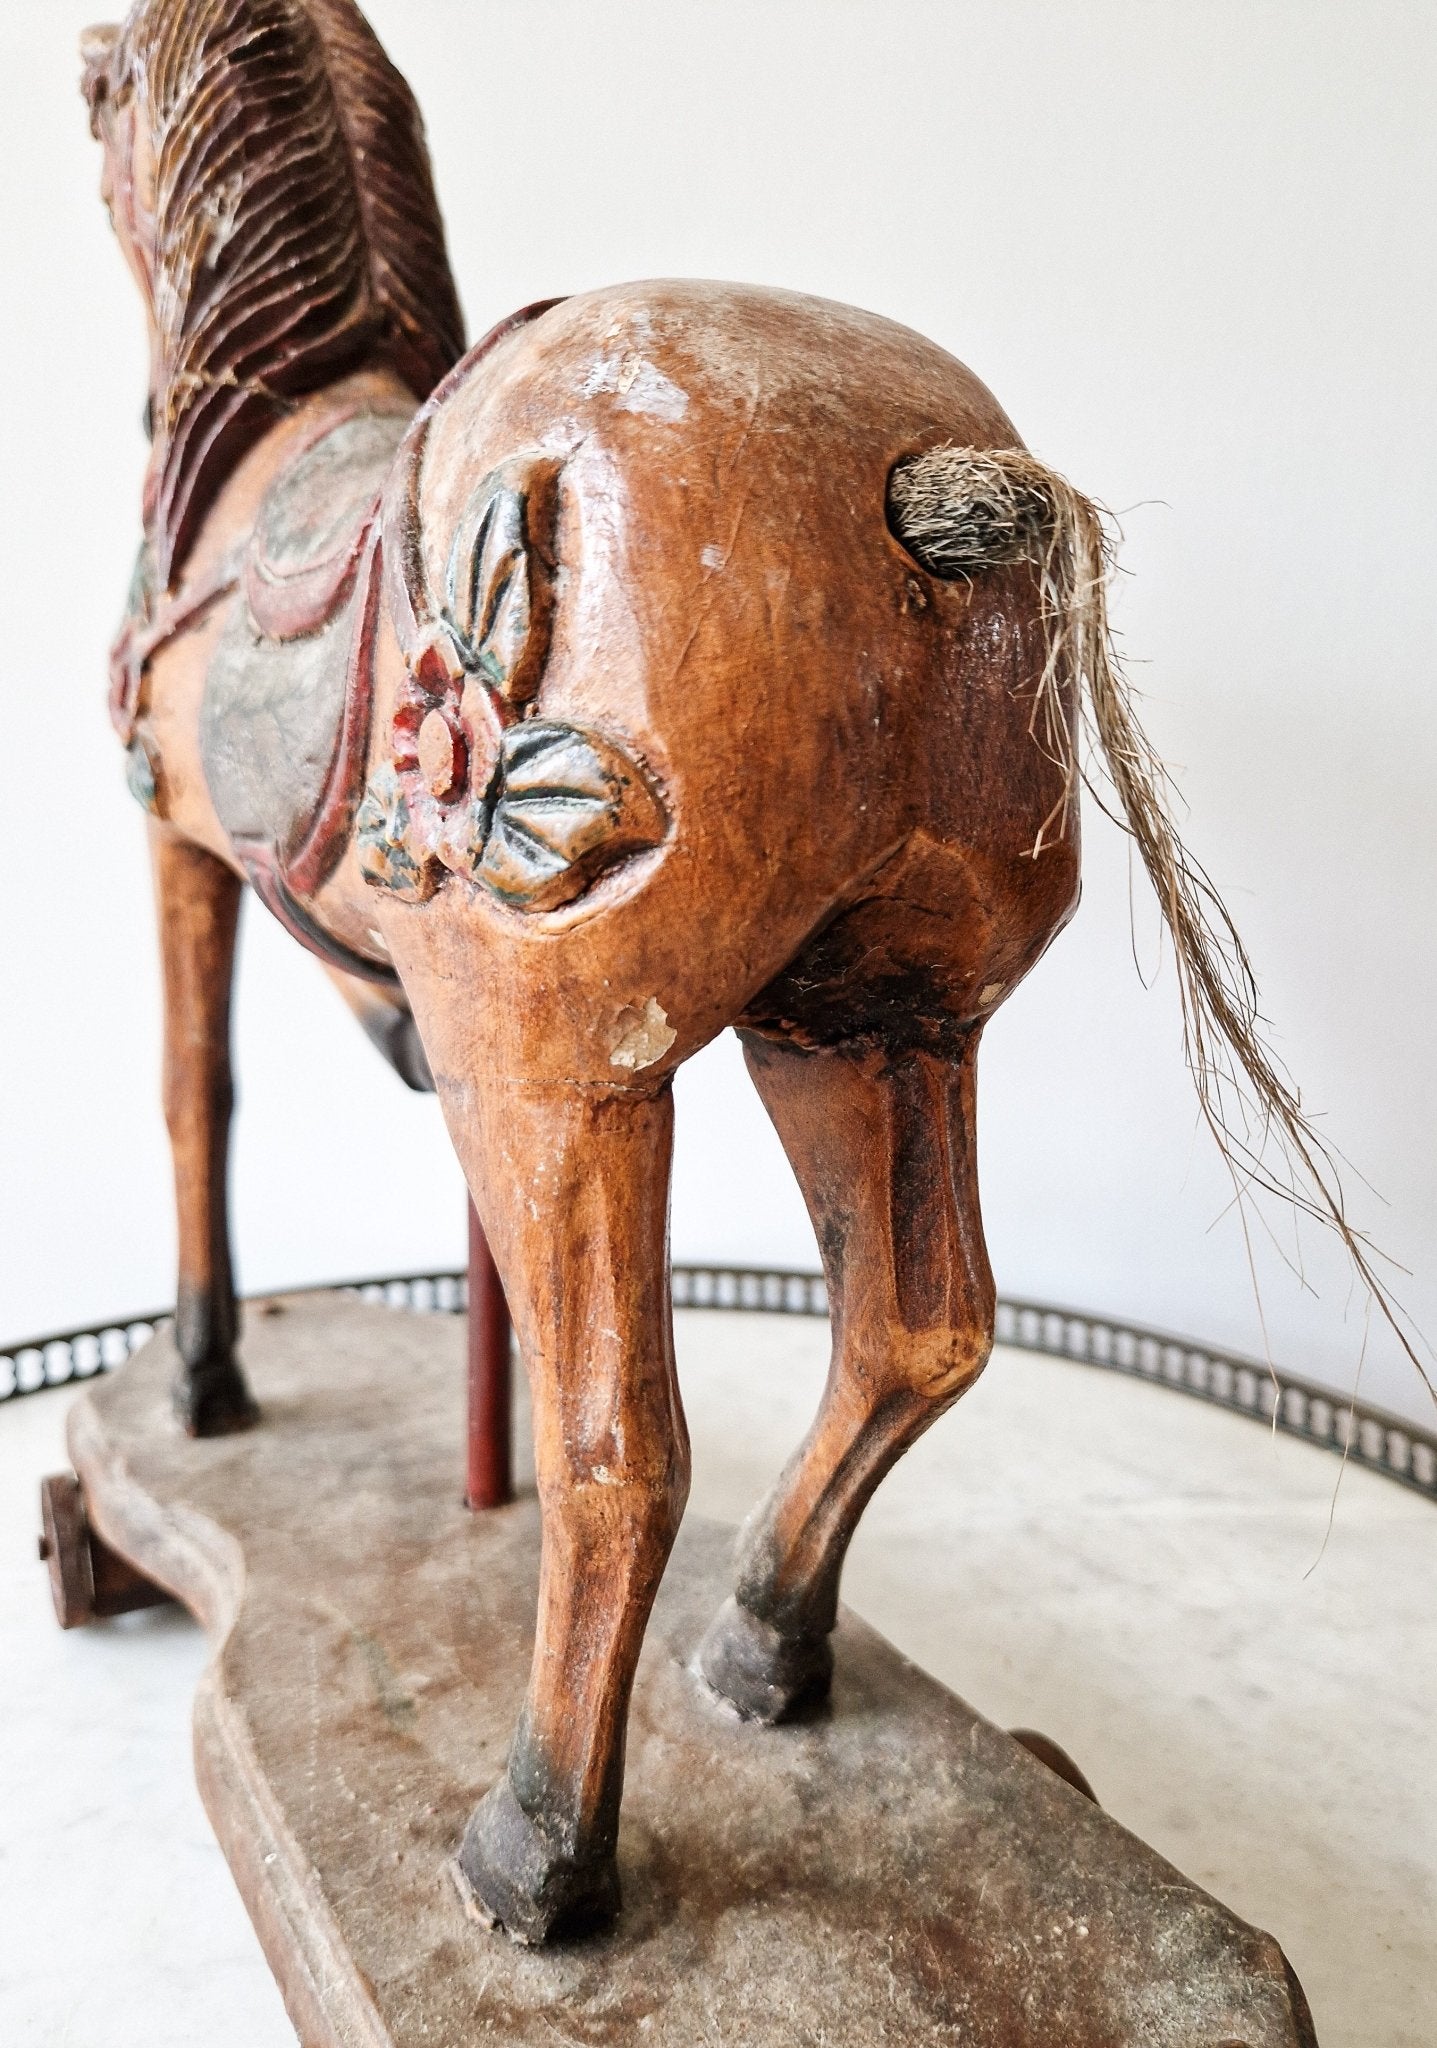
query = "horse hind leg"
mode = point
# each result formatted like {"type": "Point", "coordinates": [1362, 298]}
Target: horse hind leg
{"type": "Point", "coordinates": [884, 1150]}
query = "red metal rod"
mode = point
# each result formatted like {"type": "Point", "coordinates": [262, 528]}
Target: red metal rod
{"type": "Point", "coordinates": [491, 1477]}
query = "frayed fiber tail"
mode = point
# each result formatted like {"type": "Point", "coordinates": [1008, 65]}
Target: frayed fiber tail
{"type": "Point", "coordinates": [963, 511]}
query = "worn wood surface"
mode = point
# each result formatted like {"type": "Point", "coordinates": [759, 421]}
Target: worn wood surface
{"type": "Point", "coordinates": [894, 1869]}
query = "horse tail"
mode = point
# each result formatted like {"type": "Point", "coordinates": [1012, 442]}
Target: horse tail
{"type": "Point", "coordinates": [962, 511]}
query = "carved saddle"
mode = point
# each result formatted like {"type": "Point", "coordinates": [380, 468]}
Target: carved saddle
{"type": "Point", "coordinates": [285, 720]}
{"type": "Point", "coordinates": [474, 783]}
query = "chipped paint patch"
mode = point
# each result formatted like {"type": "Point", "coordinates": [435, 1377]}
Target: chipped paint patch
{"type": "Point", "coordinates": [637, 384]}
{"type": "Point", "coordinates": [713, 557]}
{"type": "Point", "coordinates": [990, 993]}
{"type": "Point", "coordinates": [644, 1035]}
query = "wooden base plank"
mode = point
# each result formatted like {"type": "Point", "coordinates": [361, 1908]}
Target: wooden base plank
{"type": "Point", "coordinates": [895, 1870]}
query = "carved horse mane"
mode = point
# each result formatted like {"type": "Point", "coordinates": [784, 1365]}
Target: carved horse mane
{"type": "Point", "coordinates": [297, 237]}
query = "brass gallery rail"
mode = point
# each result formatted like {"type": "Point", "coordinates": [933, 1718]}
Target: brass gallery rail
{"type": "Point", "coordinates": [1383, 1443]}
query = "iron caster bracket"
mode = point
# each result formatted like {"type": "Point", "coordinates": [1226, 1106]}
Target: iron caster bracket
{"type": "Point", "coordinates": [88, 1580]}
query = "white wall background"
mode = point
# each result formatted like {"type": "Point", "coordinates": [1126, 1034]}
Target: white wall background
{"type": "Point", "coordinates": [1189, 246]}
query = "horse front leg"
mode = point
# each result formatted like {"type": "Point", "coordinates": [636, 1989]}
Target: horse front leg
{"type": "Point", "coordinates": [197, 899]}
{"type": "Point", "coordinates": [572, 1185]}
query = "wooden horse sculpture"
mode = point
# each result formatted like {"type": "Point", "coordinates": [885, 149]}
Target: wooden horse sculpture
{"type": "Point", "coordinates": [697, 655]}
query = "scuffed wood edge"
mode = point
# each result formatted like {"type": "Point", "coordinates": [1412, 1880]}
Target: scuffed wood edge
{"type": "Point", "coordinates": [176, 1546]}
{"type": "Point", "coordinates": [181, 1549]}
{"type": "Point", "coordinates": [329, 2001]}
{"type": "Point", "coordinates": [324, 1994]}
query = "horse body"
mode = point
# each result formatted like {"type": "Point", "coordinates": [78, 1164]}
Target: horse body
{"type": "Point", "coordinates": [705, 655]}
{"type": "Point", "coordinates": [845, 796]}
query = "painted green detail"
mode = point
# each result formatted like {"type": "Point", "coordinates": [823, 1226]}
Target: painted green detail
{"type": "Point", "coordinates": [567, 805]}
{"type": "Point", "coordinates": [140, 775]}
{"type": "Point", "coordinates": [382, 831]}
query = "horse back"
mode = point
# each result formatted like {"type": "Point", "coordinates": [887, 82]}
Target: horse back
{"type": "Point", "coordinates": [824, 751]}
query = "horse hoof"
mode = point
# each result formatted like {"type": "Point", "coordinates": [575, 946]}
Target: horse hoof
{"type": "Point", "coordinates": [510, 1878]}
{"type": "Point", "coordinates": [213, 1400]}
{"type": "Point", "coordinates": [768, 1677]}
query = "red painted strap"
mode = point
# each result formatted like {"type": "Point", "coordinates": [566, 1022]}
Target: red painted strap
{"type": "Point", "coordinates": [299, 605]}
{"type": "Point", "coordinates": [490, 1480]}
{"type": "Point", "coordinates": [280, 883]}
{"type": "Point", "coordinates": [500, 331]}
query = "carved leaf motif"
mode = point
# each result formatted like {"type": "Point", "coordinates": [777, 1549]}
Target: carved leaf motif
{"type": "Point", "coordinates": [489, 587]}
{"type": "Point", "coordinates": [497, 585]}
{"type": "Point", "coordinates": [569, 805]}
{"type": "Point", "coordinates": [382, 831]}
